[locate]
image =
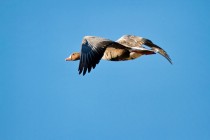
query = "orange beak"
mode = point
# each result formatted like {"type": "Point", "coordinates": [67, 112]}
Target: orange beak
{"type": "Point", "coordinates": [68, 59]}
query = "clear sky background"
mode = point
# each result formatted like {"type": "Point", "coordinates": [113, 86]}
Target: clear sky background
{"type": "Point", "coordinates": [42, 97]}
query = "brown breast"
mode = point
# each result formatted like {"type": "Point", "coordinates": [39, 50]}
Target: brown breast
{"type": "Point", "coordinates": [115, 54]}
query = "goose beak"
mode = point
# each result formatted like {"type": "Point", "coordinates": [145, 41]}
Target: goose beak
{"type": "Point", "coordinates": [68, 59]}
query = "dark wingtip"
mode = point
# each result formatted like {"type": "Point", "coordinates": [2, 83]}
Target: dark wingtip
{"type": "Point", "coordinates": [80, 70]}
{"type": "Point", "coordinates": [84, 72]}
{"type": "Point", "coordinates": [169, 59]}
{"type": "Point", "coordinates": [171, 62]}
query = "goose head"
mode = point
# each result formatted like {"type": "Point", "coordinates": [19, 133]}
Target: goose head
{"type": "Point", "coordinates": [73, 57]}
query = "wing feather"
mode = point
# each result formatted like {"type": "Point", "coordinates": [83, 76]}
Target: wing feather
{"type": "Point", "coordinates": [92, 50]}
{"type": "Point", "coordinates": [136, 41]}
{"type": "Point", "coordinates": [157, 49]}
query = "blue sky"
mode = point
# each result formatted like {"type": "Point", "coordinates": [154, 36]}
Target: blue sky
{"type": "Point", "coordinates": [42, 97]}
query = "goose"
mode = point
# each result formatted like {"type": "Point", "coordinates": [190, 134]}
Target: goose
{"type": "Point", "coordinates": [128, 47]}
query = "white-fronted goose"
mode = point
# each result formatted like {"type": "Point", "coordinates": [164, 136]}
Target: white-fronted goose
{"type": "Point", "coordinates": [128, 47]}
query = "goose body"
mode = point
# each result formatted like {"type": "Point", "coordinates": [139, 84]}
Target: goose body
{"type": "Point", "coordinates": [128, 47]}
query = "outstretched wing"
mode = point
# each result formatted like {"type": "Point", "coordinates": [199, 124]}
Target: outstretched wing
{"type": "Point", "coordinates": [131, 41]}
{"type": "Point", "coordinates": [136, 41]}
{"type": "Point", "coordinates": [92, 51]}
{"type": "Point", "coordinates": [157, 49]}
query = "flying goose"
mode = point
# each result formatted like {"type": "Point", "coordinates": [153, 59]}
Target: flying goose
{"type": "Point", "coordinates": [127, 47]}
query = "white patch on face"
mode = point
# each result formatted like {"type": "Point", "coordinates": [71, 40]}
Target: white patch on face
{"type": "Point", "coordinates": [70, 57]}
